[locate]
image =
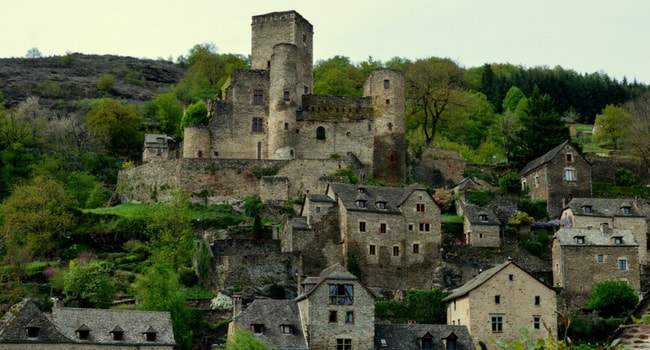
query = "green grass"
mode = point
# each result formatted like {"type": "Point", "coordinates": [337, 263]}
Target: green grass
{"type": "Point", "coordinates": [593, 148]}
{"type": "Point", "coordinates": [584, 127]}
{"type": "Point", "coordinates": [448, 219]}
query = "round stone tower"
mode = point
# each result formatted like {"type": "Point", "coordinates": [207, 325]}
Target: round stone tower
{"type": "Point", "coordinates": [387, 89]}
{"type": "Point", "coordinates": [284, 97]}
{"type": "Point", "coordinates": [196, 143]}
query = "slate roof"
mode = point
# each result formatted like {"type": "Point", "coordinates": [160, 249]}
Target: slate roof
{"type": "Point", "coordinates": [546, 158]}
{"type": "Point", "coordinates": [393, 196]}
{"type": "Point", "coordinates": [473, 213]}
{"type": "Point", "coordinates": [320, 198]}
{"type": "Point", "coordinates": [595, 237]}
{"type": "Point", "coordinates": [405, 336]}
{"type": "Point", "coordinates": [482, 278]}
{"type": "Point", "coordinates": [101, 322]}
{"type": "Point", "coordinates": [274, 314]}
{"type": "Point", "coordinates": [14, 323]}
{"type": "Point", "coordinates": [605, 207]}
{"type": "Point", "coordinates": [337, 272]}
{"type": "Point", "coordinates": [471, 183]}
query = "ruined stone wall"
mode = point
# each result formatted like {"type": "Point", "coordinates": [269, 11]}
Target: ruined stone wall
{"type": "Point", "coordinates": [276, 187]}
{"type": "Point", "coordinates": [339, 139]}
{"type": "Point", "coordinates": [437, 168]}
{"type": "Point", "coordinates": [258, 269]}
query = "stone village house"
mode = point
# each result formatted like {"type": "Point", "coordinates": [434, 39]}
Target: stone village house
{"type": "Point", "coordinates": [556, 177]}
{"type": "Point", "coordinates": [501, 300]}
{"type": "Point", "coordinates": [481, 225]}
{"type": "Point", "coordinates": [24, 326]}
{"type": "Point", "coordinates": [583, 256]}
{"type": "Point", "coordinates": [336, 311]}
{"type": "Point", "coordinates": [393, 234]}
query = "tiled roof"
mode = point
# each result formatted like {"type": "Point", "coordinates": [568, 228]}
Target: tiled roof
{"type": "Point", "coordinates": [100, 323]}
{"type": "Point", "coordinates": [320, 198]}
{"type": "Point", "coordinates": [547, 157]}
{"type": "Point", "coordinates": [273, 314]}
{"type": "Point", "coordinates": [14, 324]}
{"type": "Point", "coordinates": [406, 336]}
{"type": "Point", "coordinates": [595, 236]}
{"type": "Point", "coordinates": [605, 207]}
{"type": "Point", "coordinates": [392, 196]}
{"type": "Point", "coordinates": [473, 213]}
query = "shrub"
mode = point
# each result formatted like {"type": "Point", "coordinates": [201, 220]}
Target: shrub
{"type": "Point", "coordinates": [106, 82]}
{"type": "Point", "coordinates": [480, 198]}
{"type": "Point", "coordinates": [261, 172]}
{"type": "Point", "coordinates": [134, 77]}
{"type": "Point", "coordinates": [626, 178]}
{"type": "Point", "coordinates": [536, 209]}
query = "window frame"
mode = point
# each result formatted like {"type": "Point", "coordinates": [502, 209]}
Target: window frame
{"type": "Point", "coordinates": [258, 97]}
{"type": "Point", "coordinates": [496, 323]}
{"type": "Point", "coordinates": [341, 294]}
{"type": "Point", "coordinates": [257, 125]}
{"type": "Point", "coordinates": [622, 264]}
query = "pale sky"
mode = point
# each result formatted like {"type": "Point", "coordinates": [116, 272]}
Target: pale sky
{"type": "Point", "coordinates": [587, 36]}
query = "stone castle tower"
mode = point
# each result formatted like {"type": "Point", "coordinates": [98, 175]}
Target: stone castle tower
{"type": "Point", "coordinates": [269, 111]}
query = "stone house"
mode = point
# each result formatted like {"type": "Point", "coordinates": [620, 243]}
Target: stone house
{"type": "Point", "coordinates": [635, 332]}
{"type": "Point", "coordinates": [24, 326]}
{"type": "Point", "coordinates": [556, 177]}
{"type": "Point", "coordinates": [336, 311]}
{"type": "Point", "coordinates": [583, 256]}
{"type": "Point", "coordinates": [481, 225]}
{"type": "Point", "coordinates": [501, 300]}
{"type": "Point", "coordinates": [393, 234]}
{"type": "Point", "coordinates": [615, 212]}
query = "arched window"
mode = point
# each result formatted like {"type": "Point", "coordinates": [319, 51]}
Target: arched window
{"type": "Point", "coordinates": [320, 133]}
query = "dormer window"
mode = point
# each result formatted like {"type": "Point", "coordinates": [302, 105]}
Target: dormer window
{"type": "Point", "coordinates": [618, 240]}
{"type": "Point", "coordinates": [286, 329]}
{"type": "Point", "coordinates": [32, 331]}
{"type": "Point", "coordinates": [257, 328]}
{"type": "Point", "coordinates": [580, 239]}
{"type": "Point", "coordinates": [150, 334]}
{"type": "Point", "coordinates": [361, 203]}
{"type": "Point", "coordinates": [450, 341]}
{"type": "Point", "coordinates": [83, 332]}
{"type": "Point", "coordinates": [587, 209]}
{"type": "Point", "coordinates": [426, 341]}
{"type": "Point", "coordinates": [381, 205]}
{"type": "Point", "coordinates": [483, 217]}
{"type": "Point", "coordinates": [117, 333]}
{"type": "Point", "coordinates": [627, 210]}
{"type": "Point", "coordinates": [361, 190]}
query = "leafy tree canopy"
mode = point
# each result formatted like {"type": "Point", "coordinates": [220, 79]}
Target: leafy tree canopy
{"type": "Point", "coordinates": [196, 114]}
{"type": "Point", "coordinates": [118, 123]}
{"type": "Point", "coordinates": [612, 298]}
{"type": "Point", "coordinates": [612, 125]}
{"type": "Point", "coordinates": [90, 284]}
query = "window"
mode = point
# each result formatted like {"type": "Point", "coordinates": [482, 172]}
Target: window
{"type": "Point", "coordinates": [318, 209]}
{"type": "Point", "coordinates": [622, 264]}
{"type": "Point", "coordinates": [536, 181]}
{"type": "Point", "coordinates": [341, 294]}
{"type": "Point", "coordinates": [320, 133]}
{"type": "Point", "coordinates": [395, 251]}
{"type": "Point", "coordinates": [286, 95]}
{"type": "Point", "coordinates": [361, 203]}
{"type": "Point", "coordinates": [382, 227]}
{"type": "Point", "coordinates": [537, 322]}
{"type": "Point", "coordinates": [258, 124]}
{"type": "Point", "coordinates": [580, 240]}
{"type": "Point", "coordinates": [362, 226]}
{"type": "Point", "coordinates": [416, 248]}
{"type": "Point", "coordinates": [627, 210]}
{"type": "Point", "coordinates": [333, 317]}
{"type": "Point", "coordinates": [497, 323]}
{"type": "Point", "coordinates": [497, 299]}
{"type": "Point", "coordinates": [117, 333]}
{"type": "Point", "coordinates": [392, 158]}
{"type": "Point", "coordinates": [257, 328]}
{"type": "Point", "coordinates": [343, 344]}
{"type": "Point", "coordinates": [600, 258]}
{"type": "Point", "coordinates": [410, 227]}
{"type": "Point", "coordinates": [419, 208]}
{"type": "Point", "coordinates": [425, 227]}
{"type": "Point", "coordinates": [258, 97]}
{"type": "Point", "coordinates": [381, 205]}
{"type": "Point", "coordinates": [287, 329]}
{"type": "Point", "coordinates": [587, 209]}
{"type": "Point", "coordinates": [569, 157]}
{"type": "Point", "coordinates": [618, 240]}
{"type": "Point", "coordinates": [304, 38]}
{"type": "Point", "coordinates": [537, 300]}
{"type": "Point", "coordinates": [511, 277]}
{"type": "Point", "coordinates": [427, 343]}
{"type": "Point", "coordinates": [386, 84]}
{"type": "Point", "coordinates": [32, 332]}
{"type": "Point", "coordinates": [286, 126]}
{"type": "Point", "coordinates": [387, 101]}
{"type": "Point", "coordinates": [83, 332]}
{"type": "Point", "coordinates": [306, 89]}
{"type": "Point", "coordinates": [390, 126]}
{"type": "Point", "coordinates": [483, 217]}
{"type": "Point", "coordinates": [372, 249]}
{"type": "Point", "coordinates": [349, 317]}
{"type": "Point", "coordinates": [570, 175]}
{"type": "Point", "coordinates": [151, 336]}
{"type": "Point", "coordinates": [361, 190]}
{"type": "Point", "coordinates": [451, 344]}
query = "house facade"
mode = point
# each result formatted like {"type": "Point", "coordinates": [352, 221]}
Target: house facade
{"type": "Point", "coordinates": [392, 234]}
{"type": "Point", "coordinates": [501, 300]}
{"type": "Point", "coordinates": [336, 311]}
{"type": "Point", "coordinates": [616, 213]}
{"type": "Point", "coordinates": [556, 177]}
{"type": "Point", "coordinates": [481, 226]}
{"type": "Point", "coordinates": [24, 326]}
{"type": "Point", "coordinates": [584, 256]}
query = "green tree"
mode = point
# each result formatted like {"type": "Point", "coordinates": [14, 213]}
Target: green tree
{"type": "Point", "coordinates": [638, 138]}
{"type": "Point", "coordinates": [36, 217]}
{"type": "Point", "coordinates": [118, 124]}
{"type": "Point", "coordinates": [34, 52]}
{"type": "Point", "coordinates": [168, 112]}
{"type": "Point", "coordinates": [90, 284]}
{"type": "Point", "coordinates": [171, 231]}
{"type": "Point", "coordinates": [612, 125]}
{"type": "Point", "coordinates": [106, 82]}
{"type": "Point", "coordinates": [244, 340]}
{"type": "Point", "coordinates": [159, 290]}
{"type": "Point", "coordinates": [512, 99]}
{"type": "Point", "coordinates": [196, 114]}
{"type": "Point", "coordinates": [432, 87]}
{"type": "Point", "coordinates": [338, 76]}
{"type": "Point", "coordinates": [612, 299]}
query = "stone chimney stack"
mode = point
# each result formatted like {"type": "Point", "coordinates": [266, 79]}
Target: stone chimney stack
{"type": "Point", "coordinates": [236, 305]}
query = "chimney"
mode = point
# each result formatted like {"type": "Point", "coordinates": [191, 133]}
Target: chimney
{"type": "Point", "coordinates": [58, 303]}
{"type": "Point", "coordinates": [236, 305]}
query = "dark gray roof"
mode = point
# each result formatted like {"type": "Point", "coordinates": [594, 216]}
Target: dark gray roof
{"type": "Point", "coordinates": [595, 237]}
{"type": "Point", "coordinates": [482, 278]}
{"type": "Point", "coordinates": [320, 198]}
{"type": "Point", "coordinates": [299, 223]}
{"type": "Point", "coordinates": [101, 322]}
{"type": "Point", "coordinates": [547, 157]}
{"type": "Point", "coordinates": [393, 196]}
{"type": "Point", "coordinates": [334, 272]}
{"type": "Point", "coordinates": [406, 336]}
{"type": "Point", "coordinates": [14, 324]}
{"type": "Point", "coordinates": [473, 213]}
{"type": "Point", "coordinates": [273, 314]}
{"type": "Point", "coordinates": [471, 183]}
{"type": "Point", "coordinates": [605, 207]}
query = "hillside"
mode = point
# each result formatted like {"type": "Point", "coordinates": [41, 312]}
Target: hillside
{"type": "Point", "coordinates": [61, 81]}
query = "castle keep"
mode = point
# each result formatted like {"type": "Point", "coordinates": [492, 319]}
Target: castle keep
{"type": "Point", "coordinates": [269, 113]}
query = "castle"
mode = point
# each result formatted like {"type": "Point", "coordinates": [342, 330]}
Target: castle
{"type": "Point", "coordinates": [268, 117]}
